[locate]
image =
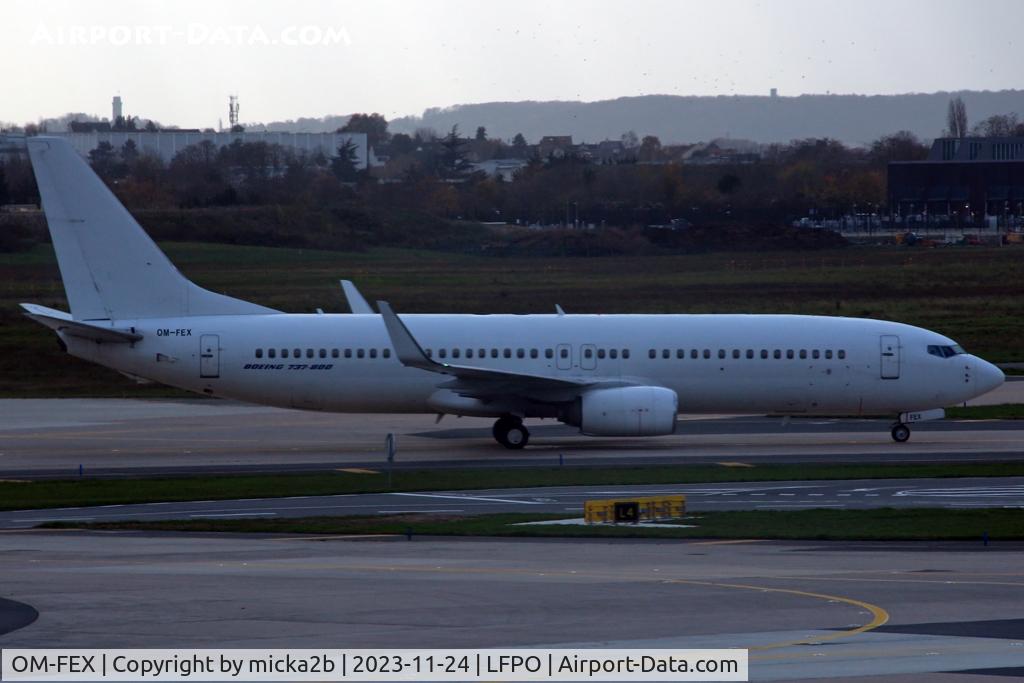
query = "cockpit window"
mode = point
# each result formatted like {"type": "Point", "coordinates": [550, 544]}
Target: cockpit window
{"type": "Point", "coordinates": [945, 351]}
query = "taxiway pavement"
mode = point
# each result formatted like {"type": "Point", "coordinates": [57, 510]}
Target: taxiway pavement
{"type": "Point", "coordinates": [806, 610]}
{"type": "Point", "coordinates": [110, 437]}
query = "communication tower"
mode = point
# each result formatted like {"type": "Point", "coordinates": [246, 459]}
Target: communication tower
{"type": "Point", "coordinates": [233, 110]}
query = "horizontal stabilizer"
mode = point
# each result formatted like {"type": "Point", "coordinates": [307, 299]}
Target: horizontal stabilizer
{"type": "Point", "coordinates": [59, 321]}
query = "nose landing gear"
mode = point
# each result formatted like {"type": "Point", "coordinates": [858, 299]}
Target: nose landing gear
{"type": "Point", "coordinates": [900, 432]}
{"type": "Point", "coordinates": [510, 433]}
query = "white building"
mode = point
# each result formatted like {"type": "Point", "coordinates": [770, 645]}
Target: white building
{"type": "Point", "coordinates": [167, 143]}
{"type": "Point", "coordinates": [506, 168]}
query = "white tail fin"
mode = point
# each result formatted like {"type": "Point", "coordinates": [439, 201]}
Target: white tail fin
{"type": "Point", "coordinates": [110, 267]}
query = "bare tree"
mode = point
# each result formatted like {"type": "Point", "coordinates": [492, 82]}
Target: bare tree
{"type": "Point", "coordinates": [956, 118]}
{"type": "Point", "coordinates": [997, 126]}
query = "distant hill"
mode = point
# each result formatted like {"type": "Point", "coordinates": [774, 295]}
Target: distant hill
{"type": "Point", "coordinates": [854, 119]}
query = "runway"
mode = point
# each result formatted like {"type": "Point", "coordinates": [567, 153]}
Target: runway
{"type": "Point", "coordinates": [111, 437]}
{"type": "Point", "coordinates": [781, 495]}
{"type": "Point", "coordinates": [809, 611]}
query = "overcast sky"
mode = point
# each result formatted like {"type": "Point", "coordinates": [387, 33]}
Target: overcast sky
{"type": "Point", "coordinates": [178, 60]}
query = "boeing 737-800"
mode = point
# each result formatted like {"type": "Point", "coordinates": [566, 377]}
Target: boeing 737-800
{"type": "Point", "coordinates": [608, 375]}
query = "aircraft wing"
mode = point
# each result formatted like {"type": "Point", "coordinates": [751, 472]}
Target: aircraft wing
{"type": "Point", "coordinates": [59, 321]}
{"type": "Point", "coordinates": [411, 354]}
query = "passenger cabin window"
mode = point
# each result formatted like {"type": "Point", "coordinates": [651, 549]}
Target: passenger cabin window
{"type": "Point", "coordinates": [600, 353]}
{"type": "Point", "coordinates": [323, 353]}
{"type": "Point", "coordinates": [455, 353]}
{"type": "Point", "coordinates": [613, 353]}
{"type": "Point", "coordinates": [842, 354]}
{"type": "Point", "coordinates": [520, 353]}
{"type": "Point", "coordinates": [309, 353]}
{"type": "Point", "coordinates": [777, 354]}
{"type": "Point", "coordinates": [652, 353]}
{"type": "Point", "coordinates": [441, 353]}
{"type": "Point", "coordinates": [694, 353]}
{"type": "Point", "coordinates": [750, 353]}
{"type": "Point", "coordinates": [284, 353]}
{"type": "Point", "coordinates": [494, 353]}
{"type": "Point", "coordinates": [360, 353]}
{"type": "Point", "coordinates": [707, 353]}
{"type": "Point", "coordinates": [803, 353]}
{"type": "Point", "coordinates": [348, 353]}
{"type": "Point", "coordinates": [549, 353]}
{"type": "Point", "coordinates": [764, 354]}
{"type": "Point", "coordinates": [789, 353]}
{"type": "Point", "coordinates": [665, 353]}
{"type": "Point", "coordinates": [373, 353]}
{"type": "Point", "coordinates": [815, 354]}
{"type": "Point", "coordinates": [259, 353]}
{"type": "Point", "coordinates": [828, 354]}
{"type": "Point", "coordinates": [272, 353]}
{"type": "Point", "coordinates": [563, 353]}
{"type": "Point", "coordinates": [588, 353]}
{"type": "Point", "coordinates": [507, 353]}
{"type": "Point", "coordinates": [297, 352]}
{"type": "Point", "coordinates": [625, 353]}
{"type": "Point", "coordinates": [387, 353]}
{"type": "Point", "coordinates": [735, 353]}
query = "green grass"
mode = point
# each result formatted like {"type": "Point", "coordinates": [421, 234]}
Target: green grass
{"type": "Point", "coordinates": [1005, 411]}
{"type": "Point", "coordinates": [885, 524]}
{"type": "Point", "coordinates": [82, 492]}
{"type": "Point", "coordinates": [972, 295]}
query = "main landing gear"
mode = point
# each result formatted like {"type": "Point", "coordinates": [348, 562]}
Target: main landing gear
{"type": "Point", "coordinates": [510, 432]}
{"type": "Point", "coordinates": [900, 432]}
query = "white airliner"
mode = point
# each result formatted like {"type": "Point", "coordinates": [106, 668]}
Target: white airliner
{"type": "Point", "coordinates": [608, 375]}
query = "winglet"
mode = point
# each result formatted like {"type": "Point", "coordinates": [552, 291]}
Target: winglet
{"type": "Point", "coordinates": [559, 311]}
{"type": "Point", "coordinates": [356, 302]}
{"type": "Point", "coordinates": [408, 350]}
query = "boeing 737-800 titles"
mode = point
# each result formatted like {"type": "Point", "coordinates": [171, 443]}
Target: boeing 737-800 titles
{"type": "Point", "coordinates": [608, 375]}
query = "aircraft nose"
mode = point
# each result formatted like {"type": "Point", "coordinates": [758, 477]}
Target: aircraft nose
{"type": "Point", "coordinates": [987, 376]}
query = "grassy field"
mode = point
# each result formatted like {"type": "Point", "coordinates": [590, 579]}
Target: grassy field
{"type": "Point", "coordinates": [80, 492]}
{"type": "Point", "coordinates": [973, 295]}
{"type": "Point", "coordinates": [1006, 411]}
{"type": "Point", "coordinates": [884, 524]}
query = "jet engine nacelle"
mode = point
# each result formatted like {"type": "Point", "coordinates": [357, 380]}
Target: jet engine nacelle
{"type": "Point", "coordinates": [629, 411]}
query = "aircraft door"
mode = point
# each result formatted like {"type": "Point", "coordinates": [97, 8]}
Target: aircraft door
{"type": "Point", "coordinates": [209, 355]}
{"type": "Point", "coordinates": [890, 357]}
{"type": "Point", "coordinates": [588, 357]}
{"type": "Point", "coordinates": [563, 357]}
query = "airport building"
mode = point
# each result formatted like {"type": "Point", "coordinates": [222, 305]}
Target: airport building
{"type": "Point", "coordinates": [167, 143]}
{"type": "Point", "coordinates": [969, 179]}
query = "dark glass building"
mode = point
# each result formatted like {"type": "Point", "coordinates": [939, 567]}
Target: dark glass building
{"type": "Point", "coordinates": [963, 177]}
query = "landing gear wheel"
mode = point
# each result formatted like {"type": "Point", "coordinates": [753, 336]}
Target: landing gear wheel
{"type": "Point", "coordinates": [510, 433]}
{"type": "Point", "coordinates": [900, 432]}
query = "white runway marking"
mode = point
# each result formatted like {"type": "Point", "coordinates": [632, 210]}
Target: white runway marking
{"type": "Point", "coordinates": [402, 512]}
{"type": "Point", "coordinates": [235, 514]}
{"type": "Point", "coordinates": [967, 492]}
{"type": "Point", "coordinates": [489, 500]}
